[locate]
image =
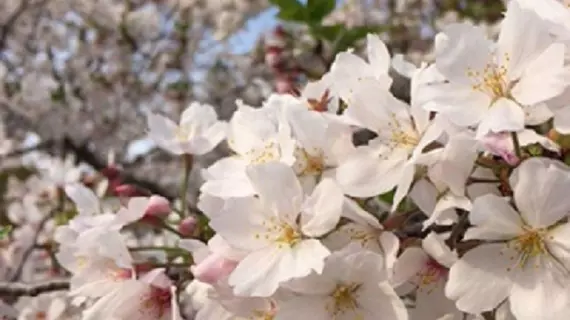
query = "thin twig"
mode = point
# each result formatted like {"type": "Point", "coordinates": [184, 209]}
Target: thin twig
{"type": "Point", "coordinates": [18, 272]}
{"type": "Point", "coordinates": [516, 145]}
{"type": "Point", "coordinates": [17, 289]}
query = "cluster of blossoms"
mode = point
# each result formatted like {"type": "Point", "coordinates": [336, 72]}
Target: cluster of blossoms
{"type": "Point", "coordinates": [471, 174]}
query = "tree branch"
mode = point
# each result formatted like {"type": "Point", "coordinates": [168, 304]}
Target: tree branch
{"type": "Point", "coordinates": [17, 289]}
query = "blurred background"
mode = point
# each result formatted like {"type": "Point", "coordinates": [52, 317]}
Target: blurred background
{"type": "Point", "coordinates": [78, 76]}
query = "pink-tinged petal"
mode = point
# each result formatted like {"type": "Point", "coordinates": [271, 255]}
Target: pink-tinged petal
{"type": "Point", "coordinates": [537, 114]}
{"type": "Point", "coordinates": [431, 303]}
{"type": "Point", "coordinates": [135, 210]}
{"type": "Point", "coordinates": [404, 184]}
{"type": "Point", "coordinates": [305, 307]}
{"type": "Point", "coordinates": [480, 280]}
{"type": "Point", "coordinates": [209, 139]}
{"type": "Point", "coordinates": [233, 187]}
{"type": "Point", "coordinates": [276, 265]}
{"type": "Point", "coordinates": [198, 114]}
{"type": "Point", "coordinates": [213, 268]}
{"type": "Point", "coordinates": [408, 265]}
{"type": "Point", "coordinates": [248, 232]}
{"type": "Point", "coordinates": [539, 186]}
{"type": "Point", "coordinates": [378, 55]}
{"type": "Point", "coordinates": [85, 200]}
{"type": "Point", "coordinates": [322, 210]}
{"type": "Point", "coordinates": [462, 105]}
{"type": "Point", "coordinates": [459, 48]}
{"type": "Point", "coordinates": [543, 78]}
{"type": "Point", "coordinates": [494, 219]}
{"type": "Point", "coordinates": [562, 120]}
{"type": "Point", "coordinates": [544, 295]}
{"type": "Point", "coordinates": [390, 245]}
{"type": "Point", "coordinates": [435, 246]}
{"type": "Point", "coordinates": [354, 212]}
{"type": "Point", "coordinates": [366, 175]}
{"type": "Point", "coordinates": [278, 188]}
{"type": "Point", "coordinates": [380, 298]}
{"type": "Point", "coordinates": [503, 115]}
{"type": "Point", "coordinates": [524, 36]}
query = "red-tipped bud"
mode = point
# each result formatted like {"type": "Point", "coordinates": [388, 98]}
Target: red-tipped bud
{"type": "Point", "coordinates": [111, 172]}
{"type": "Point", "coordinates": [284, 85]}
{"type": "Point", "coordinates": [273, 57]}
{"type": "Point", "coordinates": [158, 207]}
{"type": "Point", "coordinates": [187, 226]}
{"type": "Point", "coordinates": [128, 190]}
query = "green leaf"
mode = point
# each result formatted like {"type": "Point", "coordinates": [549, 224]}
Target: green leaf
{"type": "Point", "coordinates": [290, 10]}
{"type": "Point", "coordinates": [388, 197]}
{"type": "Point", "coordinates": [329, 33]}
{"type": "Point", "coordinates": [349, 38]}
{"type": "Point", "coordinates": [319, 9]}
{"type": "Point", "coordinates": [5, 231]}
{"type": "Point", "coordinates": [535, 150]}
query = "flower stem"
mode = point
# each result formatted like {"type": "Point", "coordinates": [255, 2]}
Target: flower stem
{"type": "Point", "coordinates": [167, 227]}
{"type": "Point", "coordinates": [516, 145]}
{"type": "Point", "coordinates": [472, 180]}
{"type": "Point", "coordinates": [188, 162]}
{"type": "Point", "coordinates": [154, 248]}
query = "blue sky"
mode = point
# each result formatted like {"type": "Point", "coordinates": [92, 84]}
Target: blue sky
{"type": "Point", "coordinates": [240, 43]}
{"type": "Point", "coordinates": [244, 40]}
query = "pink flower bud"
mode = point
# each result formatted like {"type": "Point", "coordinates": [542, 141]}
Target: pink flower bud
{"type": "Point", "coordinates": [273, 57]}
{"type": "Point", "coordinates": [158, 207]}
{"type": "Point", "coordinates": [501, 144]}
{"type": "Point", "coordinates": [111, 172]}
{"type": "Point", "coordinates": [128, 190]}
{"type": "Point", "coordinates": [213, 268]}
{"type": "Point", "coordinates": [284, 85]}
{"type": "Point", "coordinates": [187, 226]}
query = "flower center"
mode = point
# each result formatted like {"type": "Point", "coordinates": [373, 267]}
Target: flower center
{"type": "Point", "coordinates": [280, 233]}
{"type": "Point", "coordinates": [158, 301]}
{"type": "Point", "coordinates": [41, 315]}
{"type": "Point", "coordinates": [344, 299]}
{"type": "Point", "coordinates": [404, 139]}
{"type": "Point", "coordinates": [269, 152]}
{"type": "Point", "coordinates": [183, 132]}
{"type": "Point", "coordinates": [120, 274]}
{"type": "Point", "coordinates": [309, 163]}
{"type": "Point", "coordinates": [529, 245]}
{"type": "Point", "coordinates": [363, 236]}
{"type": "Point", "coordinates": [492, 80]}
{"type": "Point", "coordinates": [431, 273]}
{"type": "Point", "coordinates": [263, 315]}
{"type": "Point", "coordinates": [289, 236]}
{"type": "Point", "coordinates": [400, 136]}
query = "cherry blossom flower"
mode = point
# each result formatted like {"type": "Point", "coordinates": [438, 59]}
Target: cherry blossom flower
{"type": "Point", "coordinates": [498, 88]}
{"type": "Point", "coordinates": [150, 298]}
{"type": "Point", "coordinates": [198, 132]}
{"type": "Point", "coordinates": [388, 160]}
{"type": "Point", "coordinates": [279, 245]}
{"type": "Point", "coordinates": [352, 286]}
{"type": "Point", "coordinates": [525, 258]}
{"type": "Point", "coordinates": [425, 269]}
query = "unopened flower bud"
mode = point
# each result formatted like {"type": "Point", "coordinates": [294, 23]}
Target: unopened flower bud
{"type": "Point", "coordinates": [501, 144]}
{"type": "Point", "coordinates": [158, 207]}
{"type": "Point", "coordinates": [128, 190]}
{"type": "Point", "coordinates": [187, 226]}
{"type": "Point", "coordinates": [273, 56]}
{"type": "Point", "coordinates": [213, 268]}
{"type": "Point", "coordinates": [284, 85]}
{"type": "Point", "coordinates": [111, 172]}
